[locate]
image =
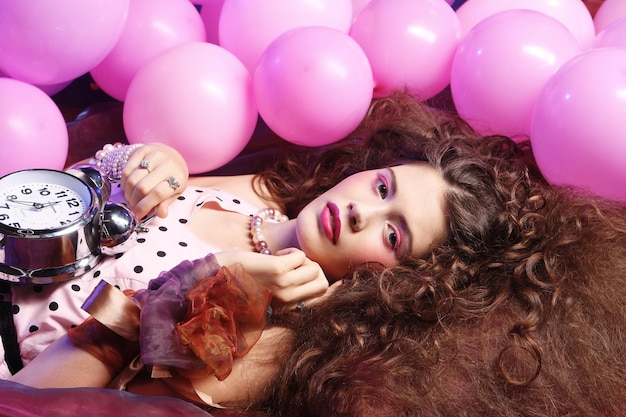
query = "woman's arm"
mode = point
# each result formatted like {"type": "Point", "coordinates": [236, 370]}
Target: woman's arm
{"type": "Point", "coordinates": [63, 365]}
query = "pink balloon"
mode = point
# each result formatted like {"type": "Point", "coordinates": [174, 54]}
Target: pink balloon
{"type": "Point", "coordinates": [578, 124]}
{"type": "Point", "coordinates": [54, 88]}
{"type": "Point", "coordinates": [501, 66]}
{"type": "Point", "coordinates": [210, 13]}
{"type": "Point", "coordinates": [313, 85]}
{"type": "Point", "coordinates": [609, 12]}
{"type": "Point", "coordinates": [49, 42]}
{"type": "Point", "coordinates": [33, 133]}
{"type": "Point", "coordinates": [358, 6]}
{"type": "Point", "coordinates": [247, 27]}
{"type": "Point", "coordinates": [152, 26]}
{"type": "Point", "coordinates": [196, 97]}
{"type": "Point", "coordinates": [572, 13]}
{"type": "Point", "coordinates": [409, 43]}
{"type": "Point", "coordinates": [613, 35]}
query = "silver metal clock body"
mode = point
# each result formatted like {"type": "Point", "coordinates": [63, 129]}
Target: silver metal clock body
{"type": "Point", "coordinates": [50, 226]}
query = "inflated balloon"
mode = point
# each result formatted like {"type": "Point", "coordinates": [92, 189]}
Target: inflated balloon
{"type": "Point", "coordinates": [247, 27]}
{"type": "Point", "coordinates": [33, 133]}
{"type": "Point", "coordinates": [578, 126]}
{"type": "Point", "coordinates": [313, 85]}
{"type": "Point", "coordinates": [49, 42]}
{"type": "Point", "coordinates": [501, 66]}
{"type": "Point", "coordinates": [357, 6]}
{"type": "Point", "coordinates": [613, 35]}
{"type": "Point", "coordinates": [609, 12]}
{"type": "Point", "coordinates": [152, 26]}
{"type": "Point", "coordinates": [54, 88]}
{"type": "Point", "coordinates": [196, 97]}
{"type": "Point", "coordinates": [210, 13]}
{"type": "Point", "coordinates": [572, 13]}
{"type": "Point", "coordinates": [409, 43]}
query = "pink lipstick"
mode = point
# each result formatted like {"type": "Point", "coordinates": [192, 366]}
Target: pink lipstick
{"type": "Point", "coordinates": [331, 223]}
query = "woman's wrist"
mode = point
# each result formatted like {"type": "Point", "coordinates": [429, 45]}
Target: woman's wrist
{"type": "Point", "coordinates": [112, 158]}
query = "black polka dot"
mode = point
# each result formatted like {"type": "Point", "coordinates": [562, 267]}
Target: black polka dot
{"type": "Point", "coordinates": [138, 269]}
{"type": "Point", "coordinates": [236, 201]}
{"type": "Point", "coordinates": [141, 240]}
{"type": "Point", "coordinates": [163, 228]}
{"type": "Point", "coordinates": [37, 288]}
{"type": "Point", "coordinates": [182, 221]}
{"type": "Point", "coordinates": [183, 244]}
{"type": "Point", "coordinates": [160, 254]}
{"type": "Point", "coordinates": [199, 191]}
{"type": "Point", "coordinates": [218, 198]}
{"type": "Point", "coordinates": [88, 268]}
{"type": "Point", "coordinates": [181, 197]}
{"type": "Point", "coordinates": [117, 286]}
{"type": "Point", "coordinates": [33, 329]}
{"type": "Point", "coordinates": [96, 274]}
{"type": "Point", "coordinates": [15, 309]}
{"type": "Point", "coordinates": [118, 255]}
{"type": "Point", "coordinates": [73, 326]}
{"type": "Point", "coordinates": [53, 306]}
{"type": "Point", "coordinates": [77, 287]}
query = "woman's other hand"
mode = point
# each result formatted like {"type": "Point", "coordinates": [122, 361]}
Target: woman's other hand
{"type": "Point", "coordinates": [153, 177]}
{"type": "Point", "coordinates": [291, 276]}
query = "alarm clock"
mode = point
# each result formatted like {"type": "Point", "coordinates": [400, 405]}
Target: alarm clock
{"type": "Point", "coordinates": [53, 223]}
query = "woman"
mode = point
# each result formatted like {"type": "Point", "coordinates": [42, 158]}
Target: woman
{"type": "Point", "coordinates": [43, 313]}
{"type": "Point", "coordinates": [467, 179]}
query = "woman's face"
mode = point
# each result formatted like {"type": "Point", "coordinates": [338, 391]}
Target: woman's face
{"type": "Point", "coordinates": [381, 216]}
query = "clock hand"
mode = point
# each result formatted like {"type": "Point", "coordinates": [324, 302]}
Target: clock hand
{"type": "Point", "coordinates": [35, 205]}
{"type": "Point", "coordinates": [24, 203]}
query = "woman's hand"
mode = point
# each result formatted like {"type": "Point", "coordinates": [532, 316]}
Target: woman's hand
{"type": "Point", "coordinates": [145, 178]}
{"type": "Point", "coordinates": [290, 275]}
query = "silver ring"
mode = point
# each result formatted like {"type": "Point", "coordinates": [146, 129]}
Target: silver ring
{"type": "Point", "coordinates": [173, 182]}
{"type": "Point", "coordinates": [145, 164]}
{"type": "Point", "coordinates": [301, 305]}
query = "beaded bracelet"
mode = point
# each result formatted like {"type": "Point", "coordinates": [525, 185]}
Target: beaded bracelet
{"type": "Point", "coordinates": [111, 159]}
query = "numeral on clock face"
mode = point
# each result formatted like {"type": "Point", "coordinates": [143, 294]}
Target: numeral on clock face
{"type": "Point", "coordinates": [41, 199]}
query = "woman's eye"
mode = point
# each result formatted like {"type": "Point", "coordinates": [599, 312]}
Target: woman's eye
{"type": "Point", "coordinates": [381, 186]}
{"type": "Point", "coordinates": [392, 236]}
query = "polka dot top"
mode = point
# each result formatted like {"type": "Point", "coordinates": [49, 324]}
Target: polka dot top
{"type": "Point", "coordinates": [42, 313]}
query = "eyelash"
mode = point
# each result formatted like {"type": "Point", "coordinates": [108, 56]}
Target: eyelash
{"type": "Point", "coordinates": [392, 234]}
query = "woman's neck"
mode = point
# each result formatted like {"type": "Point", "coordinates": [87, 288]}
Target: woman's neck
{"type": "Point", "coordinates": [281, 235]}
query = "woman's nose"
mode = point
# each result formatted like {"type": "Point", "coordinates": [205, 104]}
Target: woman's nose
{"type": "Point", "coordinates": [360, 215]}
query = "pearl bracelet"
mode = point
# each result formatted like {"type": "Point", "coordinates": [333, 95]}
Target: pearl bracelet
{"type": "Point", "coordinates": [111, 159]}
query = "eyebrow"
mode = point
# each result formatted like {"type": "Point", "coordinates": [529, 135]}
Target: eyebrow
{"type": "Point", "coordinates": [407, 242]}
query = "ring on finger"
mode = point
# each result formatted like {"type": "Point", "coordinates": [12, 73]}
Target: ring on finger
{"type": "Point", "coordinates": [173, 182]}
{"type": "Point", "coordinates": [300, 306]}
{"type": "Point", "coordinates": [145, 164]}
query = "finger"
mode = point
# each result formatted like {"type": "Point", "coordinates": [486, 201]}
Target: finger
{"type": "Point", "coordinates": [145, 200]}
{"type": "Point", "coordinates": [305, 283]}
{"type": "Point", "coordinates": [291, 258]}
{"type": "Point", "coordinates": [163, 207]}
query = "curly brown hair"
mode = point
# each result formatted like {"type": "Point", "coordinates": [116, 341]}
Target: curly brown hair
{"type": "Point", "coordinates": [382, 342]}
{"type": "Point", "coordinates": [528, 322]}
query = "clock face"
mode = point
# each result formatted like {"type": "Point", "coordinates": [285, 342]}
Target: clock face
{"type": "Point", "coordinates": [41, 199]}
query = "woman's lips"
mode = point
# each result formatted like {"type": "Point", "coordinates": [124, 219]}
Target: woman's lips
{"type": "Point", "coordinates": [331, 223]}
